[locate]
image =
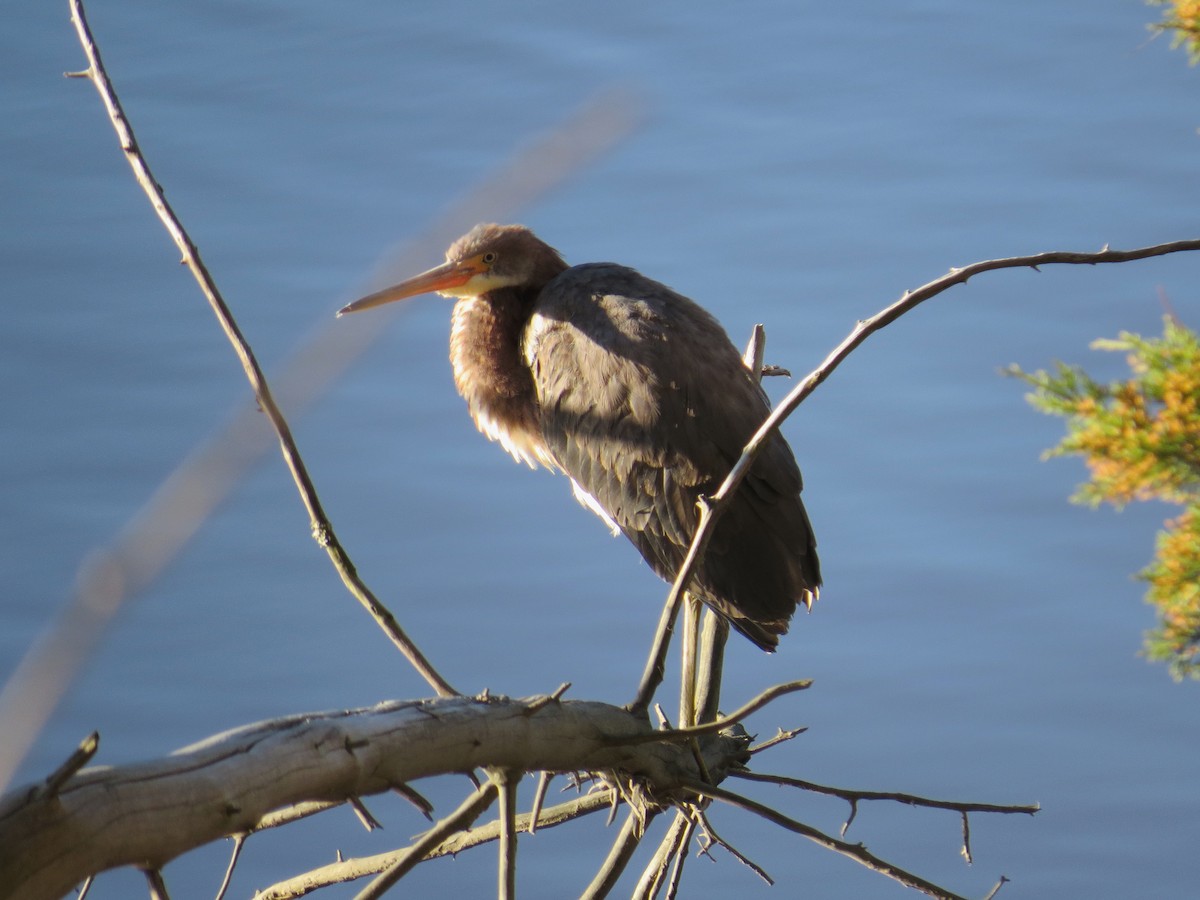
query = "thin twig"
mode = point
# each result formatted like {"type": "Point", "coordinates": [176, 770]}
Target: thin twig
{"type": "Point", "coordinates": [461, 818]}
{"type": "Point", "coordinates": [507, 781]}
{"type": "Point", "coordinates": [626, 842]}
{"type": "Point", "coordinates": [910, 799]}
{"type": "Point", "coordinates": [680, 858]}
{"type": "Point", "coordinates": [239, 841]}
{"type": "Point", "coordinates": [539, 797]}
{"type": "Point", "coordinates": [679, 734]}
{"type": "Point", "coordinates": [857, 852]}
{"type": "Point", "coordinates": [671, 849]}
{"type": "Point", "coordinates": [780, 738]}
{"type": "Point", "coordinates": [732, 850]}
{"type": "Point", "coordinates": [714, 506]}
{"type": "Point", "coordinates": [322, 529]}
{"type": "Point", "coordinates": [360, 867]}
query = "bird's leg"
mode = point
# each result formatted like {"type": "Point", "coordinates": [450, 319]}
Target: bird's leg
{"type": "Point", "coordinates": [710, 666]}
{"type": "Point", "coordinates": [687, 659]}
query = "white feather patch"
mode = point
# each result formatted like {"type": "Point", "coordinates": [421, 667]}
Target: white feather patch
{"type": "Point", "coordinates": [594, 505]}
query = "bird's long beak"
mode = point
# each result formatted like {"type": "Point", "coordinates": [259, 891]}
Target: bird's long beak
{"type": "Point", "coordinates": [440, 278]}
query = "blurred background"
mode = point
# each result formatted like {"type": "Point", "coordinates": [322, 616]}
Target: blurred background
{"type": "Point", "coordinates": [798, 164]}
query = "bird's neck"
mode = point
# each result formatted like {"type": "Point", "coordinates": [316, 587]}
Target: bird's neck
{"type": "Point", "coordinates": [490, 372]}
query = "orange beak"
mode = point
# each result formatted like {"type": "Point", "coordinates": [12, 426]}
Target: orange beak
{"type": "Point", "coordinates": [439, 278]}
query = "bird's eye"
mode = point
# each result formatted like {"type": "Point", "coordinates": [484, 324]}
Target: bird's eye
{"type": "Point", "coordinates": [489, 258]}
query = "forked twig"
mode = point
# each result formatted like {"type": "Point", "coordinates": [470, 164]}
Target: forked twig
{"type": "Point", "coordinates": [853, 796]}
{"type": "Point", "coordinates": [715, 838]}
{"type": "Point", "coordinates": [857, 852]}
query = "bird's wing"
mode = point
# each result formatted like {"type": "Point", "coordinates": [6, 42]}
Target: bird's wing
{"type": "Point", "coordinates": [646, 404]}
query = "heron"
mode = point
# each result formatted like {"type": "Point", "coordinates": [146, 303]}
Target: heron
{"type": "Point", "coordinates": [637, 395]}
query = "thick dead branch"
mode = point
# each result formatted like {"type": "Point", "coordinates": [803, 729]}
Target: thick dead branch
{"type": "Point", "coordinates": [149, 813]}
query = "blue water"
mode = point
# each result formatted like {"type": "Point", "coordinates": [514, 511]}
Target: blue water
{"type": "Point", "coordinates": [799, 165]}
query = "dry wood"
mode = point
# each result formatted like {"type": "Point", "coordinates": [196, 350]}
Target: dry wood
{"type": "Point", "coordinates": [149, 813]}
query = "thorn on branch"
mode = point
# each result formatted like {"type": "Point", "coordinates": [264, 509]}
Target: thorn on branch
{"type": "Point", "coordinates": [545, 700]}
{"type": "Point", "coordinates": [851, 817]}
{"type": "Point", "coordinates": [350, 745]}
{"type": "Point", "coordinates": [408, 793]}
{"type": "Point", "coordinates": [77, 760]}
{"type": "Point", "coordinates": [369, 822]}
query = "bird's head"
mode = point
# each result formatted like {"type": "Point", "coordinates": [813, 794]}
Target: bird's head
{"type": "Point", "coordinates": [487, 258]}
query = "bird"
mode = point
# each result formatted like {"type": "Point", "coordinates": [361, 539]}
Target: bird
{"type": "Point", "coordinates": [637, 395]}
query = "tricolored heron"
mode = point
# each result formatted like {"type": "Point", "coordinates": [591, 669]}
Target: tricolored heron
{"type": "Point", "coordinates": [636, 394]}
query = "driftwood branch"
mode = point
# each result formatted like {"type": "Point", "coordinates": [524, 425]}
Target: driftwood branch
{"type": "Point", "coordinates": [147, 814]}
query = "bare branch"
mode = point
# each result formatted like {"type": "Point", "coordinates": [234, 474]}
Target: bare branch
{"type": "Point", "coordinates": [506, 780]}
{"type": "Point", "coordinates": [669, 855]}
{"type": "Point", "coordinates": [239, 841]}
{"type": "Point", "coordinates": [539, 797]}
{"type": "Point", "coordinates": [715, 838]}
{"type": "Point", "coordinates": [626, 842]}
{"type": "Point", "coordinates": [149, 813]}
{"type": "Point", "coordinates": [322, 529]}
{"type": "Point", "coordinates": [678, 734]}
{"type": "Point", "coordinates": [173, 514]}
{"type": "Point", "coordinates": [461, 818]}
{"type": "Point", "coordinates": [857, 852]}
{"type": "Point", "coordinates": [851, 796]}
{"type": "Point", "coordinates": [780, 738]}
{"type": "Point", "coordinates": [352, 869]}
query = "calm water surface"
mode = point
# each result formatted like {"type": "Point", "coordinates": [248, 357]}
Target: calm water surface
{"type": "Point", "coordinates": [799, 165]}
